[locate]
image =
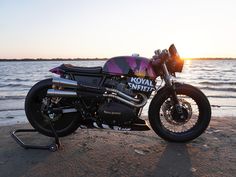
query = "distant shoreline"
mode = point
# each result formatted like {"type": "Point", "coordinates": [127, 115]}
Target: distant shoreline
{"type": "Point", "coordinates": [210, 59]}
{"type": "Point", "coordinates": [97, 59]}
{"type": "Point", "coordinates": [55, 59]}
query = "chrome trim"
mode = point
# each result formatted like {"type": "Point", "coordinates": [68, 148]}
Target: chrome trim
{"type": "Point", "coordinates": [116, 94]}
{"type": "Point", "coordinates": [126, 101]}
{"type": "Point", "coordinates": [60, 93]}
{"type": "Point", "coordinates": [167, 76]}
{"type": "Point", "coordinates": [69, 110]}
{"type": "Point", "coordinates": [122, 94]}
{"type": "Point", "coordinates": [64, 82]}
{"type": "Point", "coordinates": [73, 84]}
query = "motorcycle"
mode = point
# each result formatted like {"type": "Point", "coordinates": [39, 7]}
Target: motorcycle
{"type": "Point", "coordinates": [113, 96]}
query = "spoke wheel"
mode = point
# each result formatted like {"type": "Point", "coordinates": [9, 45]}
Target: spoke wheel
{"type": "Point", "coordinates": [175, 122]}
{"type": "Point", "coordinates": [172, 126]}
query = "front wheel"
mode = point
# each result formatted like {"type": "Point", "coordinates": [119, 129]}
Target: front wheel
{"type": "Point", "coordinates": [172, 126]}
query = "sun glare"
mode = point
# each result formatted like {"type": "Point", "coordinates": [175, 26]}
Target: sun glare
{"type": "Point", "coordinates": [187, 63]}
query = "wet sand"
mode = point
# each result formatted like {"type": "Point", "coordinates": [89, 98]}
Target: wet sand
{"type": "Point", "coordinates": [97, 152]}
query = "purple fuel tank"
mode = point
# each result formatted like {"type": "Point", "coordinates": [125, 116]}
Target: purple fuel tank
{"type": "Point", "coordinates": [130, 66]}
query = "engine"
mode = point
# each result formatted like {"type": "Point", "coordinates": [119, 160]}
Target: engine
{"type": "Point", "coordinates": [115, 103]}
{"type": "Point", "coordinates": [114, 113]}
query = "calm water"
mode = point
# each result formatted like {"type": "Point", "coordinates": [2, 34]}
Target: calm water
{"type": "Point", "coordinates": [217, 79]}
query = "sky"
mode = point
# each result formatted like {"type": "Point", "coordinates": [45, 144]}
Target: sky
{"type": "Point", "coordinates": [107, 28]}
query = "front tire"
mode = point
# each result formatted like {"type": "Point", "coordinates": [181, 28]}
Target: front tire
{"type": "Point", "coordinates": [64, 125]}
{"type": "Point", "coordinates": [165, 122]}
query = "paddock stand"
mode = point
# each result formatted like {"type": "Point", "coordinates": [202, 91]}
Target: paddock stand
{"type": "Point", "coordinates": [52, 147]}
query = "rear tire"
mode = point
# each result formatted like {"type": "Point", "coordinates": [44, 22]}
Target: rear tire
{"type": "Point", "coordinates": [66, 123]}
{"type": "Point", "coordinates": [202, 121]}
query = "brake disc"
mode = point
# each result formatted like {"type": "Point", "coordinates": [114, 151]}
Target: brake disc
{"type": "Point", "coordinates": [168, 107]}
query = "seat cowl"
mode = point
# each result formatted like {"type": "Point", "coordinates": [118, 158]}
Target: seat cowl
{"type": "Point", "coordinates": [72, 68]}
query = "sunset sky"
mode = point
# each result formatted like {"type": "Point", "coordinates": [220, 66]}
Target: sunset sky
{"type": "Point", "coordinates": [106, 28]}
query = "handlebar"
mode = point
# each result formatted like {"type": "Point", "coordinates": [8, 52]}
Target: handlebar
{"type": "Point", "coordinates": [167, 58]}
{"type": "Point", "coordinates": [160, 57]}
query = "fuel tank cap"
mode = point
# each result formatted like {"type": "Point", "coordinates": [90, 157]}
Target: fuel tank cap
{"type": "Point", "coordinates": [135, 55]}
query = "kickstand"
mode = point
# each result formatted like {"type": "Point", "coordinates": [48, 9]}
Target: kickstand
{"type": "Point", "coordinates": [52, 147]}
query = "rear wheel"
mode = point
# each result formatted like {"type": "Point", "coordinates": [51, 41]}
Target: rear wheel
{"type": "Point", "coordinates": [172, 126]}
{"type": "Point", "coordinates": [40, 110]}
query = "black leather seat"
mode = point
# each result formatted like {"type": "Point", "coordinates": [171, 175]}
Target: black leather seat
{"type": "Point", "coordinates": [71, 68]}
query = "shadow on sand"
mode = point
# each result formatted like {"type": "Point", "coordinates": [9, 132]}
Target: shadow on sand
{"type": "Point", "coordinates": [174, 162]}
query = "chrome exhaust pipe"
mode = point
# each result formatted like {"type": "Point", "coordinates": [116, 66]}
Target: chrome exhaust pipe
{"type": "Point", "coordinates": [64, 82]}
{"type": "Point", "coordinates": [121, 94]}
{"type": "Point", "coordinates": [128, 102]}
{"type": "Point", "coordinates": [73, 84]}
{"type": "Point", "coordinates": [60, 93]}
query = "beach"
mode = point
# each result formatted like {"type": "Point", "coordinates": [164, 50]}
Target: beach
{"type": "Point", "coordinates": [97, 152]}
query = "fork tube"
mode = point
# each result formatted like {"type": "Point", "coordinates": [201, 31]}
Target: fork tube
{"type": "Point", "coordinates": [166, 75]}
{"type": "Point", "coordinates": [170, 84]}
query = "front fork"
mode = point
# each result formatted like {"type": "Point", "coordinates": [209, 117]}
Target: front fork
{"type": "Point", "coordinates": [171, 86]}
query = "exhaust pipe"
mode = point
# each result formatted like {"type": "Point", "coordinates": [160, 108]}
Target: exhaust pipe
{"type": "Point", "coordinates": [73, 84]}
{"type": "Point", "coordinates": [119, 93]}
{"type": "Point", "coordinates": [128, 102]}
{"type": "Point", "coordinates": [64, 82]}
{"type": "Point", "coordinates": [59, 93]}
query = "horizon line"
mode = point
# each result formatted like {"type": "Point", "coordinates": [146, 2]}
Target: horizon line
{"type": "Point", "coordinates": [68, 59]}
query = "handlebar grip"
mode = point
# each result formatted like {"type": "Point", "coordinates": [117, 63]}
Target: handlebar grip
{"type": "Point", "coordinates": [163, 55]}
{"type": "Point", "coordinates": [161, 58]}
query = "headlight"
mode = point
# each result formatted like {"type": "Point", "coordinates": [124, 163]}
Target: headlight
{"type": "Point", "coordinates": [175, 63]}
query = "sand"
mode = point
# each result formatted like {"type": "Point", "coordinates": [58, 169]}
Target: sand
{"type": "Point", "coordinates": [97, 152]}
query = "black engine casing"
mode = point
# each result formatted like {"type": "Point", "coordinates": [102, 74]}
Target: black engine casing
{"type": "Point", "coordinates": [114, 113]}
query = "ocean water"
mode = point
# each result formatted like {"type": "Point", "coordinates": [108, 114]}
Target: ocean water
{"type": "Point", "coordinates": [216, 78]}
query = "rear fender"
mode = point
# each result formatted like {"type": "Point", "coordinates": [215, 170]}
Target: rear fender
{"type": "Point", "coordinates": [57, 70]}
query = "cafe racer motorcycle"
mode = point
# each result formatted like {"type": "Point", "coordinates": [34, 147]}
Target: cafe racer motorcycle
{"type": "Point", "coordinates": [114, 95]}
